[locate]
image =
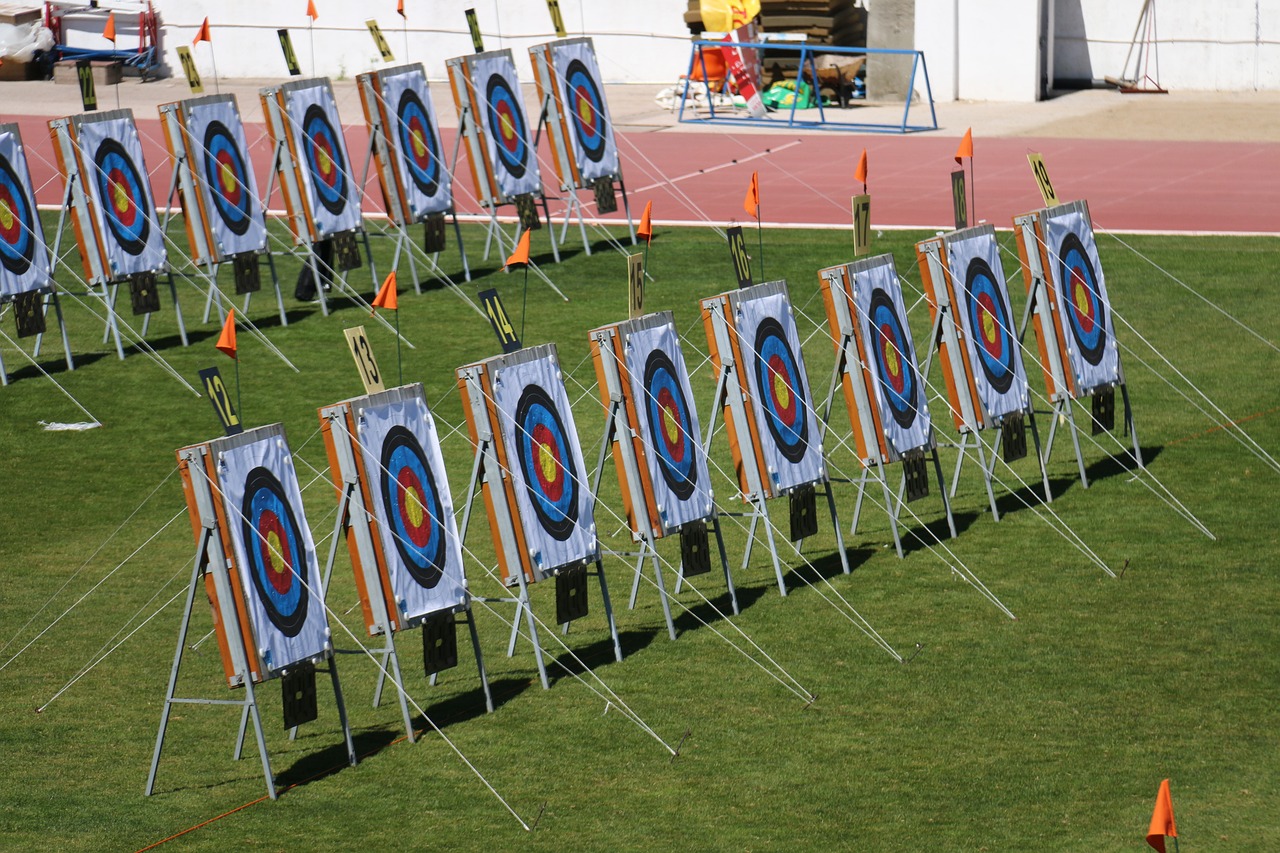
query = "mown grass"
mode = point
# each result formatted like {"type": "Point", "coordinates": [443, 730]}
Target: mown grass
{"type": "Point", "coordinates": [1049, 731]}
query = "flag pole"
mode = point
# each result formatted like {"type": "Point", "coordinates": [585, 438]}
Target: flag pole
{"type": "Point", "coordinates": [399, 362]}
{"type": "Point", "coordinates": [524, 302]}
{"type": "Point", "coordinates": [214, 59]}
{"type": "Point", "coordinates": [760, 239]}
{"type": "Point", "coordinates": [311, 34]}
{"type": "Point", "coordinates": [973, 193]}
{"type": "Point", "coordinates": [239, 404]}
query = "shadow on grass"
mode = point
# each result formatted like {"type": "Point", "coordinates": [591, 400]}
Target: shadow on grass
{"type": "Point", "coordinates": [695, 616]}
{"type": "Point", "coordinates": [52, 361]}
{"type": "Point", "coordinates": [599, 653]}
{"type": "Point", "coordinates": [931, 533]}
{"type": "Point", "coordinates": [1119, 464]}
{"type": "Point", "coordinates": [825, 567]}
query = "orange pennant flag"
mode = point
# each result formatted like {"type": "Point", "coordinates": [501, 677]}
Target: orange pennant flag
{"type": "Point", "coordinates": [860, 173]}
{"type": "Point", "coordinates": [400, 8]}
{"type": "Point", "coordinates": [203, 35]}
{"type": "Point", "coordinates": [966, 146]}
{"type": "Point", "coordinates": [109, 31]}
{"type": "Point", "coordinates": [227, 340]}
{"type": "Point", "coordinates": [386, 298]}
{"type": "Point", "coordinates": [751, 204]}
{"type": "Point", "coordinates": [646, 227]}
{"type": "Point", "coordinates": [1162, 822]}
{"type": "Point", "coordinates": [311, 10]}
{"type": "Point", "coordinates": [521, 254]}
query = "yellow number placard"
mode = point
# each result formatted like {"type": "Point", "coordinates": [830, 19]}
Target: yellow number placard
{"type": "Point", "coordinates": [216, 391]}
{"type": "Point", "coordinates": [474, 26]}
{"type": "Point", "coordinates": [557, 20]}
{"type": "Point", "coordinates": [635, 285]}
{"type": "Point", "coordinates": [366, 364]}
{"type": "Point", "coordinates": [1041, 174]}
{"type": "Point", "coordinates": [861, 225]}
{"type": "Point", "coordinates": [290, 58]}
{"type": "Point", "coordinates": [498, 318]}
{"type": "Point", "coordinates": [88, 95]}
{"type": "Point", "coordinates": [379, 41]}
{"type": "Point", "coordinates": [189, 69]}
{"type": "Point", "coordinates": [959, 199]}
{"type": "Point", "coordinates": [738, 254]}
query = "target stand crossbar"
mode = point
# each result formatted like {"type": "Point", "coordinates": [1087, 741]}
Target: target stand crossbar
{"type": "Point", "coordinates": [732, 355]}
{"type": "Point", "coordinates": [986, 391]}
{"type": "Point", "coordinates": [1047, 275]}
{"type": "Point", "coordinates": [852, 374]}
{"type": "Point", "coordinates": [213, 564]}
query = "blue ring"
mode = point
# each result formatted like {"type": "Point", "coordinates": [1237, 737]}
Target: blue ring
{"type": "Point", "coordinates": [535, 409]}
{"type": "Point", "coordinates": [979, 281]}
{"type": "Point", "coordinates": [264, 493]}
{"type": "Point", "coordinates": [316, 125]}
{"type": "Point", "coordinates": [498, 91]}
{"type": "Point", "coordinates": [680, 475]}
{"type": "Point", "coordinates": [112, 156]}
{"type": "Point", "coordinates": [792, 438]}
{"type": "Point", "coordinates": [902, 406]}
{"type": "Point", "coordinates": [236, 215]}
{"type": "Point", "coordinates": [402, 452]}
{"type": "Point", "coordinates": [427, 179]}
{"type": "Point", "coordinates": [18, 255]}
{"type": "Point", "coordinates": [1072, 256]}
{"type": "Point", "coordinates": [593, 137]}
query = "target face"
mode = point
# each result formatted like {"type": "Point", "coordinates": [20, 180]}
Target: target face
{"type": "Point", "coordinates": [545, 458]}
{"type": "Point", "coordinates": [989, 325]}
{"type": "Point", "coordinates": [17, 234]}
{"type": "Point", "coordinates": [507, 125]}
{"type": "Point", "coordinates": [324, 158]}
{"type": "Point", "coordinates": [227, 178]}
{"type": "Point", "coordinates": [417, 143]}
{"type": "Point", "coordinates": [778, 378]}
{"type": "Point", "coordinates": [670, 425]}
{"type": "Point", "coordinates": [586, 110]}
{"type": "Point", "coordinates": [122, 188]}
{"type": "Point", "coordinates": [894, 363]}
{"type": "Point", "coordinates": [412, 504]}
{"type": "Point", "coordinates": [274, 544]}
{"type": "Point", "coordinates": [1086, 313]}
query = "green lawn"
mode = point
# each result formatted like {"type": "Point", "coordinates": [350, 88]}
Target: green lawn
{"type": "Point", "coordinates": [1049, 732]}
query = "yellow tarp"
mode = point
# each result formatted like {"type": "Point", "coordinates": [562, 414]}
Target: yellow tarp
{"type": "Point", "coordinates": [721, 16]}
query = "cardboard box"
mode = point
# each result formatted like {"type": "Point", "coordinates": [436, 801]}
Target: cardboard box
{"type": "Point", "coordinates": [105, 72]}
{"type": "Point", "coordinates": [19, 13]}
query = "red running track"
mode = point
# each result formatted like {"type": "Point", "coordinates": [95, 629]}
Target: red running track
{"type": "Point", "coordinates": [807, 179]}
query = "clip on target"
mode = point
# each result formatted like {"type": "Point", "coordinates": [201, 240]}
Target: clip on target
{"type": "Point", "coordinates": [575, 115]}
{"type": "Point", "coordinates": [264, 616]}
{"type": "Point", "coordinates": [1068, 306]}
{"type": "Point", "coordinates": [652, 428]}
{"type": "Point", "coordinates": [406, 152]}
{"type": "Point", "coordinates": [979, 350]}
{"type": "Point", "coordinates": [529, 469]}
{"type": "Point", "coordinates": [213, 178]}
{"type": "Point", "coordinates": [396, 514]}
{"type": "Point", "coordinates": [876, 371]}
{"type": "Point", "coordinates": [762, 391]}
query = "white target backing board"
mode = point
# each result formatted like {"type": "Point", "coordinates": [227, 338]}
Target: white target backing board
{"type": "Point", "coordinates": [504, 161]}
{"type": "Point", "coordinates": [221, 207]}
{"type": "Point", "coordinates": [24, 256]}
{"type": "Point", "coordinates": [405, 488]}
{"type": "Point", "coordinates": [112, 206]}
{"type": "Point", "coordinates": [880, 321]}
{"type": "Point", "coordinates": [316, 177]}
{"type": "Point", "coordinates": [579, 128]}
{"type": "Point", "coordinates": [662, 422]}
{"type": "Point", "coordinates": [409, 157]}
{"type": "Point", "coordinates": [272, 547]}
{"type": "Point", "coordinates": [979, 349]}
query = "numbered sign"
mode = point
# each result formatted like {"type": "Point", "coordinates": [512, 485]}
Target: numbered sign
{"type": "Point", "coordinates": [290, 58]}
{"type": "Point", "coordinates": [88, 95]}
{"type": "Point", "coordinates": [379, 41]}
{"type": "Point", "coordinates": [474, 26]}
{"type": "Point", "coordinates": [557, 20]}
{"type": "Point", "coordinates": [216, 391]}
{"type": "Point", "coordinates": [366, 364]}
{"type": "Point", "coordinates": [635, 285]}
{"type": "Point", "coordinates": [1041, 175]}
{"type": "Point", "coordinates": [189, 69]}
{"type": "Point", "coordinates": [498, 318]}
{"type": "Point", "coordinates": [861, 225]}
{"type": "Point", "coordinates": [959, 199]}
{"type": "Point", "coordinates": [738, 255]}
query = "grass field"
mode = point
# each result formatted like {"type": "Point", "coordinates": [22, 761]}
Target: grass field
{"type": "Point", "coordinates": [1049, 732]}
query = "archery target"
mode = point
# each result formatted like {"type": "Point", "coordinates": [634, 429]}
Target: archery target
{"type": "Point", "coordinates": [322, 150]}
{"type": "Point", "coordinates": [1082, 299]}
{"type": "Point", "coordinates": [984, 316]}
{"type": "Point", "coordinates": [24, 259]}
{"type": "Point", "coordinates": [510, 148]}
{"type": "Point", "coordinates": [779, 390]}
{"type": "Point", "coordinates": [545, 458]}
{"type": "Point", "coordinates": [412, 503]}
{"type": "Point", "coordinates": [273, 548]}
{"type": "Point", "coordinates": [415, 142]}
{"type": "Point", "coordinates": [668, 425]}
{"type": "Point", "coordinates": [225, 177]}
{"type": "Point", "coordinates": [116, 181]}
{"type": "Point", "coordinates": [590, 129]}
{"type": "Point", "coordinates": [888, 350]}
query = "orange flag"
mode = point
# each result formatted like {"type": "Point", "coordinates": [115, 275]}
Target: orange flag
{"type": "Point", "coordinates": [646, 227]}
{"type": "Point", "coordinates": [966, 146]}
{"type": "Point", "coordinates": [227, 340]}
{"type": "Point", "coordinates": [860, 173]}
{"type": "Point", "coordinates": [203, 35]}
{"type": "Point", "coordinates": [521, 254]}
{"type": "Point", "coordinates": [386, 298]}
{"type": "Point", "coordinates": [311, 10]}
{"type": "Point", "coordinates": [751, 204]}
{"type": "Point", "coordinates": [1162, 822]}
{"type": "Point", "coordinates": [109, 31]}
{"type": "Point", "coordinates": [400, 8]}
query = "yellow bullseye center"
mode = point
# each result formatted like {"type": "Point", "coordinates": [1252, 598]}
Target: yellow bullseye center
{"type": "Point", "coordinates": [119, 197]}
{"type": "Point", "coordinates": [1082, 296]}
{"type": "Point", "coordinates": [6, 216]}
{"type": "Point", "coordinates": [507, 126]}
{"type": "Point", "coordinates": [228, 177]}
{"type": "Point", "coordinates": [781, 391]}
{"type": "Point", "coordinates": [325, 161]}
{"type": "Point", "coordinates": [670, 426]}
{"type": "Point", "coordinates": [278, 564]}
{"type": "Point", "coordinates": [584, 111]}
{"type": "Point", "coordinates": [891, 360]}
{"type": "Point", "coordinates": [988, 326]}
{"type": "Point", "coordinates": [413, 507]}
{"type": "Point", "coordinates": [419, 144]}
{"type": "Point", "coordinates": [546, 462]}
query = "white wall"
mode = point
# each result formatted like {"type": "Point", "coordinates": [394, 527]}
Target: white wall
{"type": "Point", "coordinates": [998, 48]}
{"type": "Point", "coordinates": [636, 42]}
{"type": "Point", "coordinates": [1230, 45]}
